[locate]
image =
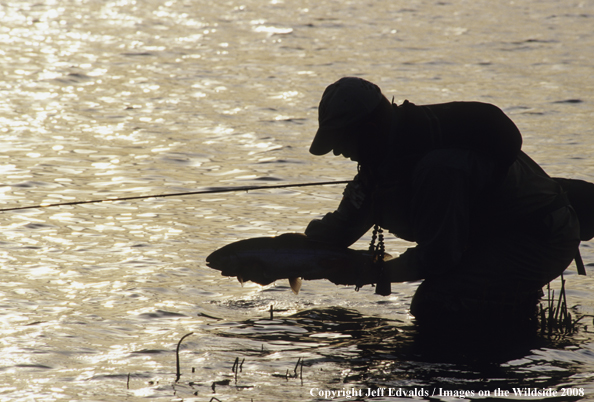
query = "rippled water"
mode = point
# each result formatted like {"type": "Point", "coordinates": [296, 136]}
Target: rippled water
{"type": "Point", "coordinates": [123, 98]}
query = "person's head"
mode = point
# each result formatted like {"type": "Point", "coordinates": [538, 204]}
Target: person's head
{"type": "Point", "coordinates": [354, 118]}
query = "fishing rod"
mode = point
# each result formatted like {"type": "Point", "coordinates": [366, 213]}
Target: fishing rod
{"type": "Point", "coordinates": [212, 190]}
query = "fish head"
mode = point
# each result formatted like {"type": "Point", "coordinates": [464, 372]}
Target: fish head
{"type": "Point", "coordinates": [224, 260]}
{"type": "Point", "coordinates": [238, 259]}
{"type": "Point", "coordinates": [227, 262]}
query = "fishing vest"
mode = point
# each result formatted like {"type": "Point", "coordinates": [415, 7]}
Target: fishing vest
{"type": "Point", "coordinates": [581, 197]}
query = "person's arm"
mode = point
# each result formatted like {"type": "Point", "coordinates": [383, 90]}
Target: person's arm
{"type": "Point", "coordinates": [349, 222]}
{"type": "Point", "coordinates": [404, 268]}
{"type": "Point", "coordinates": [440, 224]}
{"type": "Point", "coordinates": [439, 220]}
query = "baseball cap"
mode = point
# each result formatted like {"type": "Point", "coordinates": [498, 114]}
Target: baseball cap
{"type": "Point", "coordinates": [344, 103]}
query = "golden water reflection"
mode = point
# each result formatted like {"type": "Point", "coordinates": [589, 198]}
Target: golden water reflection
{"type": "Point", "coordinates": [120, 98]}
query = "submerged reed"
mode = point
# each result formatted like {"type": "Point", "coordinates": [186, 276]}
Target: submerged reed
{"type": "Point", "coordinates": [554, 318]}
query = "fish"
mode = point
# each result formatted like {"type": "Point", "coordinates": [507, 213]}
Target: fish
{"type": "Point", "coordinates": [291, 256]}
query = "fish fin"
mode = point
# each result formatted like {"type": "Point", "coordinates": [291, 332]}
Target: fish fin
{"type": "Point", "coordinates": [240, 279]}
{"type": "Point", "coordinates": [295, 285]}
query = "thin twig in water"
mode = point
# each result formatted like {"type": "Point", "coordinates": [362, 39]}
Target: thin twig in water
{"type": "Point", "coordinates": [235, 368]}
{"type": "Point", "coordinates": [297, 365]}
{"type": "Point", "coordinates": [128, 382]}
{"type": "Point", "coordinates": [559, 309]}
{"type": "Point", "coordinates": [178, 375]}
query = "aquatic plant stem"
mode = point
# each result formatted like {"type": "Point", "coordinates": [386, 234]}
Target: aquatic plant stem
{"type": "Point", "coordinates": [178, 373]}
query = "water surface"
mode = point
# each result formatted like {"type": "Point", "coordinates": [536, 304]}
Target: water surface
{"type": "Point", "coordinates": [123, 98]}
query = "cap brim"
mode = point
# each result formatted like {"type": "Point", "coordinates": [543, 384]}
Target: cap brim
{"type": "Point", "coordinates": [322, 142]}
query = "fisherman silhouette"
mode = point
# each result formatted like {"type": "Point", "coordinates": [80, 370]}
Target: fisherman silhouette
{"type": "Point", "coordinates": [491, 227]}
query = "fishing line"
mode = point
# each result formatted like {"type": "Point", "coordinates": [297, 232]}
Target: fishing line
{"type": "Point", "coordinates": [208, 191]}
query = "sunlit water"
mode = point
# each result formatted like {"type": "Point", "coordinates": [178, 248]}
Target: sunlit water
{"type": "Point", "coordinates": [123, 98]}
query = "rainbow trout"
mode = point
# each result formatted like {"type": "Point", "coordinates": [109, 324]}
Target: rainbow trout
{"type": "Point", "coordinates": [289, 256]}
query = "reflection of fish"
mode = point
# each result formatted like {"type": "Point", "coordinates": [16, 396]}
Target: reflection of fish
{"type": "Point", "coordinates": [266, 259]}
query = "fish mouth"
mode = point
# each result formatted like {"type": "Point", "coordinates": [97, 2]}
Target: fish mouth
{"type": "Point", "coordinates": [214, 261]}
{"type": "Point", "coordinates": [223, 261]}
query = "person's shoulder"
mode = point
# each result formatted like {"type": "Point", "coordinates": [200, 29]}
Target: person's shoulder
{"type": "Point", "coordinates": [468, 105]}
{"type": "Point", "coordinates": [460, 105]}
{"type": "Point", "coordinates": [473, 110]}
